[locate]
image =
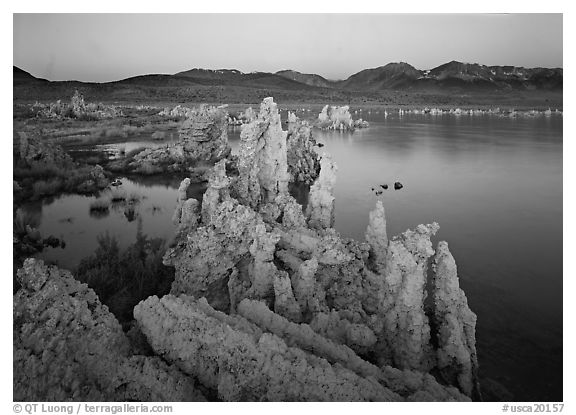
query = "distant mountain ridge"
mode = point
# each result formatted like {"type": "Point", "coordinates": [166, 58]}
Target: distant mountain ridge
{"type": "Point", "coordinates": [397, 76]}
{"type": "Point", "coordinates": [308, 79]}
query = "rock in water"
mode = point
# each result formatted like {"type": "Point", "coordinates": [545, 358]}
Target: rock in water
{"type": "Point", "coordinates": [292, 118]}
{"type": "Point", "coordinates": [339, 118]}
{"type": "Point", "coordinates": [335, 118]}
{"type": "Point", "coordinates": [406, 327]}
{"type": "Point", "coordinates": [204, 134]}
{"type": "Point", "coordinates": [398, 186]}
{"type": "Point", "coordinates": [360, 123]}
{"type": "Point", "coordinates": [455, 324]}
{"type": "Point", "coordinates": [203, 141]}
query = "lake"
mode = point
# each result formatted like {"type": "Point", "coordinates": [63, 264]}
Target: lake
{"type": "Point", "coordinates": [493, 184]}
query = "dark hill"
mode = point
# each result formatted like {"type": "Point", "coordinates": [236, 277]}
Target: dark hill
{"type": "Point", "coordinates": [308, 79]}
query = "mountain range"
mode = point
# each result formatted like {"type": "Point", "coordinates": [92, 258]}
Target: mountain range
{"type": "Point", "coordinates": [393, 76]}
{"type": "Point", "coordinates": [454, 83]}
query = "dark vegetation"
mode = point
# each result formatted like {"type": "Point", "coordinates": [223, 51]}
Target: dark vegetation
{"type": "Point", "coordinates": [122, 278]}
{"type": "Point", "coordinates": [38, 183]}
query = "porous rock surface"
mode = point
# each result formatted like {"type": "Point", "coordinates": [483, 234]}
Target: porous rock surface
{"type": "Point", "coordinates": [335, 118]}
{"type": "Point", "coordinates": [291, 117]}
{"type": "Point", "coordinates": [377, 237]}
{"type": "Point", "coordinates": [256, 244]}
{"type": "Point", "coordinates": [262, 160]}
{"type": "Point", "coordinates": [303, 160]}
{"type": "Point", "coordinates": [456, 325]}
{"type": "Point", "coordinates": [269, 303]}
{"type": "Point", "coordinates": [406, 328]}
{"type": "Point", "coordinates": [339, 118]}
{"type": "Point", "coordinates": [67, 346]}
{"type": "Point", "coordinates": [244, 362]}
{"type": "Point", "coordinates": [203, 141]}
{"type": "Point", "coordinates": [321, 202]}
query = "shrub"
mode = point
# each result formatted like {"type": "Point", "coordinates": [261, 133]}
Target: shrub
{"type": "Point", "coordinates": [100, 208]}
{"type": "Point", "coordinates": [47, 187]}
{"type": "Point", "coordinates": [124, 278]}
{"type": "Point", "coordinates": [118, 196]}
{"type": "Point", "coordinates": [134, 198]}
{"type": "Point", "coordinates": [23, 221]}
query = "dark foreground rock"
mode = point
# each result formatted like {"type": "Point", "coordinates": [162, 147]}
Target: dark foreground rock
{"type": "Point", "coordinates": [67, 346]}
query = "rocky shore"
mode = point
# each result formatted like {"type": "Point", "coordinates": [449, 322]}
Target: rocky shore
{"type": "Point", "coordinates": [269, 302]}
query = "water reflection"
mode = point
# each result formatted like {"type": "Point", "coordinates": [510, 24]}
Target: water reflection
{"type": "Point", "coordinates": [495, 187]}
{"type": "Point", "coordinates": [72, 219]}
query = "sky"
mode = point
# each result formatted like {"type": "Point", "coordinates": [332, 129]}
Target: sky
{"type": "Point", "coordinates": [109, 47]}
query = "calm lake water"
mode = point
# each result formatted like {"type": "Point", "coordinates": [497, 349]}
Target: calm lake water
{"type": "Point", "coordinates": [493, 184]}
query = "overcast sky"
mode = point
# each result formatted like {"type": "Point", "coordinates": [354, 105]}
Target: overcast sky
{"type": "Point", "coordinates": [107, 47]}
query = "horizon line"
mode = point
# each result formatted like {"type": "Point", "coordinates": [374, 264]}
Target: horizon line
{"type": "Point", "coordinates": [280, 70]}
